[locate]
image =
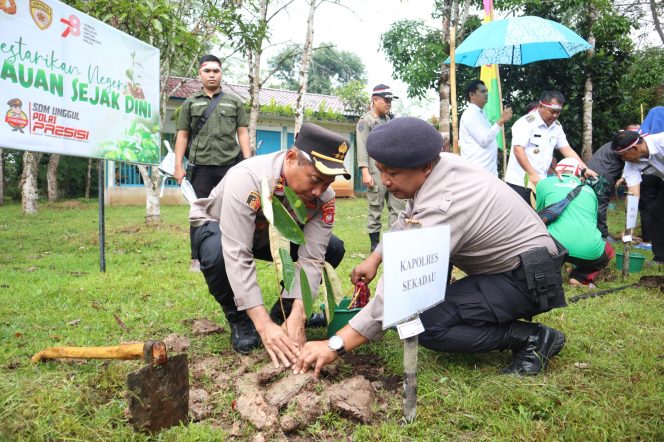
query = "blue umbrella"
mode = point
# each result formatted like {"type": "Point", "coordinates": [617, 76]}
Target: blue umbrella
{"type": "Point", "coordinates": [518, 40]}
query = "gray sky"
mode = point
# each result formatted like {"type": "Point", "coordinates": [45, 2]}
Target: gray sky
{"type": "Point", "coordinates": [353, 26]}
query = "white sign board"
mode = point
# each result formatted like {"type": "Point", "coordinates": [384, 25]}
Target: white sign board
{"type": "Point", "coordinates": [632, 211]}
{"type": "Point", "coordinates": [72, 85]}
{"type": "Point", "coordinates": [415, 264]}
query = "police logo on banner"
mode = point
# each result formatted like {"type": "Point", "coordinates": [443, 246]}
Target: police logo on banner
{"type": "Point", "coordinates": [41, 13]}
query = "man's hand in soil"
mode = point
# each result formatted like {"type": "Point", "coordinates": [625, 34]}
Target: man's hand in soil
{"type": "Point", "coordinates": [294, 325]}
{"type": "Point", "coordinates": [278, 344]}
{"type": "Point", "coordinates": [314, 354]}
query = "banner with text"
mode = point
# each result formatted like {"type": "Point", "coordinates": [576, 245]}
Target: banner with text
{"type": "Point", "coordinates": [415, 264]}
{"type": "Point", "coordinates": [73, 85]}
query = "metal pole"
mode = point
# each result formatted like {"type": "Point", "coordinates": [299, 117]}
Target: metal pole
{"type": "Point", "coordinates": [410, 378]}
{"type": "Point", "coordinates": [102, 238]}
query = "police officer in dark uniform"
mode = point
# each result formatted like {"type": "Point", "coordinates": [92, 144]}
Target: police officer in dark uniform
{"type": "Point", "coordinates": [511, 277]}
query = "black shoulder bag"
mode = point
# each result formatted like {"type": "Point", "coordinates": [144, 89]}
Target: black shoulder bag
{"type": "Point", "coordinates": [201, 121]}
{"type": "Point", "coordinates": [551, 212]}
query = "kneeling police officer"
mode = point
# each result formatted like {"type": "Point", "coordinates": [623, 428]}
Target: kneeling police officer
{"type": "Point", "coordinates": [230, 230]}
{"type": "Point", "coordinates": [513, 264]}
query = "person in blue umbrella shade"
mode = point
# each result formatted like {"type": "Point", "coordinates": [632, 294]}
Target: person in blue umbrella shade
{"type": "Point", "coordinates": [477, 136]}
{"type": "Point", "coordinates": [644, 155]}
{"type": "Point", "coordinates": [534, 138]}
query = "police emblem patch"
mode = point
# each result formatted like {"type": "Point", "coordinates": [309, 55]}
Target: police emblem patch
{"type": "Point", "coordinates": [530, 118]}
{"type": "Point", "coordinates": [327, 211]}
{"type": "Point", "coordinates": [254, 200]}
{"type": "Point", "coordinates": [41, 13]}
{"type": "Point", "coordinates": [360, 126]}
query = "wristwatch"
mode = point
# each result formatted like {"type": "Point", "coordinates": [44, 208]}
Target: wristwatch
{"type": "Point", "coordinates": [336, 344]}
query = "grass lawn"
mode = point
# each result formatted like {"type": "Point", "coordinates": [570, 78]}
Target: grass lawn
{"type": "Point", "coordinates": [607, 384]}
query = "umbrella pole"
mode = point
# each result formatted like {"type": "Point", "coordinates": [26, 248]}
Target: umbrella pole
{"type": "Point", "coordinates": [453, 95]}
{"type": "Point", "coordinates": [502, 129]}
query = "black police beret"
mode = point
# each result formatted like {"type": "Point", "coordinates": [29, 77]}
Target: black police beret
{"type": "Point", "coordinates": [404, 143]}
{"type": "Point", "coordinates": [326, 149]}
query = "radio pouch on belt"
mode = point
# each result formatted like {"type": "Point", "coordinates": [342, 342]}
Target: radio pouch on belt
{"type": "Point", "coordinates": [201, 122]}
{"type": "Point", "coordinates": [542, 274]}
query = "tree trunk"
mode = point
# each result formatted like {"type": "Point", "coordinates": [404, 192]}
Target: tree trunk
{"type": "Point", "coordinates": [52, 177]}
{"type": "Point", "coordinates": [655, 19]}
{"type": "Point", "coordinates": [587, 150]}
{"type": "Point", "coordinates": [255, 85]}
{"type": "Point", "coordinates": [304, 67]}
{"type": "Point", "coordinates": [152, 203]}
{"type": "Point", "coordinates": [444, 79]}
{"type": "Point", "coordinates": [28, 182]}
{"type": "Point", "coordinates": [2, 179]}
{"type": "Point", "coordinates": [88, 179]}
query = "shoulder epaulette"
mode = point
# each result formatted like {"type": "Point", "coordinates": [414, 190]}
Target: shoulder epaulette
{"type": "Point", "coordinates": [530, 118]}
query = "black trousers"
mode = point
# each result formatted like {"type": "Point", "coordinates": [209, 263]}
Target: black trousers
{"type": "Point", "coordinates": [602, 208]}
{"type": "Point", "coordinates": [651, 207]}
{"type": "Point", "coordinates": [203, 179]}
{"type": "Point", "coordinates": [477, 314]}
{"type": "Point", "coordinates": [207, 240]}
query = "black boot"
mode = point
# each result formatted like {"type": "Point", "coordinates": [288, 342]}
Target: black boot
{"type": "Point", "coordinates": [375, 239]}
{"type": "Point", "coordinates": [244, 337]}
{"type": "Point", "coordinates": [533, 345]}
{"type": "Point", "coordinates": [317, 320]}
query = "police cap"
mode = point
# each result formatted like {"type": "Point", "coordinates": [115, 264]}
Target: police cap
{"type": "Point", "coordinates": [326, 149]}
{"type": "Point", "coordinates": [15, 102]}
{"type": "Point", "coordinates": [383, 90]}
{"type": "Point", "coordinates": [404, 143]}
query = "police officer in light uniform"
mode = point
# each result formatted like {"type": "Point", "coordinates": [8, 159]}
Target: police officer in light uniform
{"type": "Point", "coordinates": [230, 230]}
{"type": "Point", "coordinates": [510, 276]}
{"type": "Point", "coordinates": [534, 138]}
{"type": "Point", "coordinates": [377, 194]}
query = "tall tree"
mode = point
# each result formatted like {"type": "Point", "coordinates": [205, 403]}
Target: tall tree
{"type": "Point", "coordinates": [28, 183]}
{"type": "Point", "coordinates": [587, 147]}
{"type": "Point", "coordinates": [304, 65]}
{"type": "Point", "coordinates": [417, 53]}
{"type": "Point", "coordinates": [52, 177]}
{"type": "Point", "coordinates": [655, 8]}
{"type": "Point", "coordinates": [252, 35]}
{"type": "Point", "coordinates": [329, 69]}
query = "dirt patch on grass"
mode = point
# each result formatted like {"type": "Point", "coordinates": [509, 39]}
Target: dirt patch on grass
{"type": "Point", "coordinates": [372, 367]}
{"type": "Point", "coordinates": [275, 402]}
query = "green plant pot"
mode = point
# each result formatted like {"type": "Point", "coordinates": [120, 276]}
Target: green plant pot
{"type": "Point", "coordinates": [635, 262]}
{"type": "Point", "coordinates": [341, 316]}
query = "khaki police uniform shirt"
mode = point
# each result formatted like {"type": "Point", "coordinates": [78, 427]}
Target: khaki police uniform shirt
{"type": "Point", "coordinates": [538, 141]}
{"type": "Point", "coordinates": [235, 203]}
{"type": "Point", "coordinates": [216, 143]}
{"type": "Point", "coordinates": [364, 126]}
{"type": "Point", "coordinates": [490, 226]}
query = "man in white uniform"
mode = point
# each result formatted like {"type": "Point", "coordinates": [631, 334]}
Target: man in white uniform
{"type": "Point", "coordinates": [477, 136]}
{"type": "Point", "coordinates": [534, 137]}
{"type": "Point", "coordinates": [644, 155]}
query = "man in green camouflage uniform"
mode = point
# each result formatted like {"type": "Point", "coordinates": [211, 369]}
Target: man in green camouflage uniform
{"type": "Point", "coordinates": [222, 142]}
{"type": "Point", "coordinates": [377, 193]}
